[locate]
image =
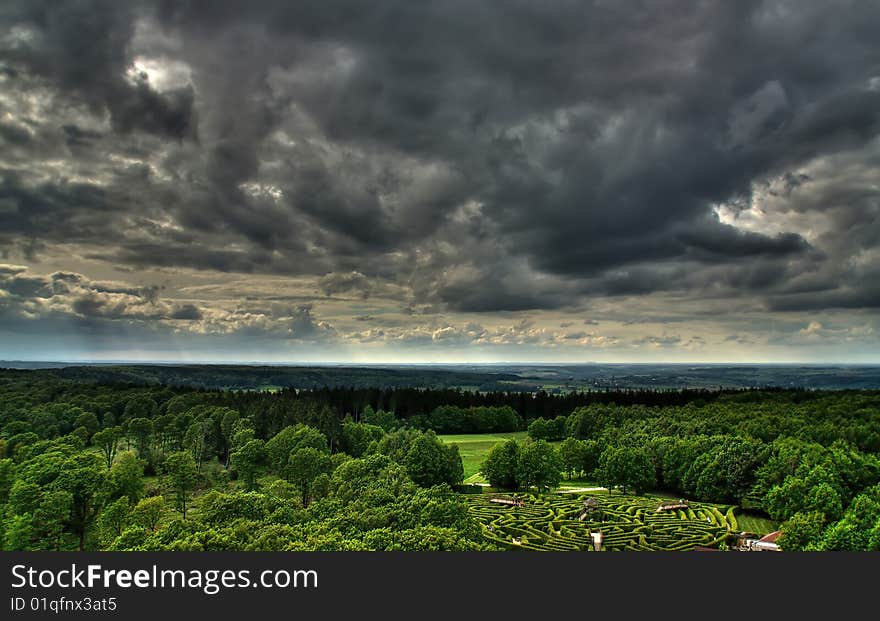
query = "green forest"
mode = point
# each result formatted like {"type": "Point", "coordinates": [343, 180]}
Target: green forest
{"type": "Point", "coordinates": [95, 465]}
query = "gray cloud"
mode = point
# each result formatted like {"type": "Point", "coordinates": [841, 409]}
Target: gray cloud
{"type": "Point", "coordinates": [187, 312]}
{"type": "Point", "coordinates": [355, 282]}
{"type": "Point", "coordinates": [81, 48]}
{"type": "Point", "coordinates": [453, 159]}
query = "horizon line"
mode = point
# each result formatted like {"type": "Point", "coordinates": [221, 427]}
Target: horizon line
{"type": "Point", "coordinates": [295, 363]}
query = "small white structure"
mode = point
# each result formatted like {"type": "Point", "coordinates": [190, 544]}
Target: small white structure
{"type": "Point", "coordinates": [511, 502]}
{"type": "Point", "coordinates": [763, 546]}
{"type": "Point", "coordinates": [767, 543]}
{"type": "Point", "coordinates": [672, 505]}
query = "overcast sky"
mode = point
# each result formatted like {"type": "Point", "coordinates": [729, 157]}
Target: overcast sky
{"type": "Point", "coordinates": [440, 181]}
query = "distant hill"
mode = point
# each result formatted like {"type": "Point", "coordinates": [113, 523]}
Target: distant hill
{"type": "Point", "coordinates": [269, 377]}
{"type": "Point", "coordinates": [505, 377]}
{"type": "Point", "coordinates": [27, 364]}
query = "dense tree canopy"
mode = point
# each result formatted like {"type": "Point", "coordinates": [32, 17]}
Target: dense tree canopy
{"type": "Point", "coordinates": [500, 465]}
{"type": "Point", "coordinates": [534, 464]}
{"type": "Point", "coordinates": [627, 467]}
{"type": "Point", "coordinates": [87, 465]}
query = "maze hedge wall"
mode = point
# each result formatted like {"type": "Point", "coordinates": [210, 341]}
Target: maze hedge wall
{"type": "Point", "coordinates": [627, 523]}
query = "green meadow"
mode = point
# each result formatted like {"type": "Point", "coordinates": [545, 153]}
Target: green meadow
{"type": "Point", "coordinates": [473, 448]}
{"type": "Point", "coordinates": [756, 524]}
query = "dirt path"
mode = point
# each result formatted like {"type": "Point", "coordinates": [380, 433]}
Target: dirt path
{"type": "Point", "coordinates": [564, 490]}
{"type": "Point", "coordinates": [579, 490]}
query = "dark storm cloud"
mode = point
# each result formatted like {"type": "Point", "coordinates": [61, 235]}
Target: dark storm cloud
{"type": "Point", "coordinates": [29, 287]}
{"type": "Point", "coordinates": [304, 326]}
{"type": "Point", "coordinates": [187, 312]}
{"type": "Point", "coordinates": [94, 306]}
{"type": "Point", "coordinates": [78, 137]}
{"type": "Point", "coordinates": [14, 135]}
{"type": "Point", "coordinates": [866, 296]}
{"type": "Point", "coordinates": [139, 107]}
{"type": "Point", "coordinates": [675, 128]}
{"type": "Point", "coordinates": [481, 299]}
{"type": "Point", "coordinates": [726, 241]}
{"type": "Point", "coordinates": [81, 47]}
{"type": "Point", "coordinates": [40, 209]}
{"type": "Point", "coordinates": [146, 254]}
{"type": "Point", "coordinates": [355, 282]}
{"type": "Point", "coordinates": [485, 156]}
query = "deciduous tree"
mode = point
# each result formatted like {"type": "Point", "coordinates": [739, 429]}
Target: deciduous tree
{"type": "Point", "coordinates": [108, 441]}
{"type": "Point", "coordinates": [125, 478]}
{"type": "Point", "coordinates": [627, 467]}
{"type": "Point", "coordinates": [304, 466]}
{"type": "Point", "coordinates": [539, 465]}
{"type": "Point", "coordinates": [248, 461]}
{"type": "Point", "coordinates": [82, 476]}
{"type": "Point", "coordinates": [148, 511]}
{"type": "Point", "coordinates": [289, 439]}
{"type": "Point", "coordinates": [113, 518]}
{"type": "Point", "coordinates": [802, 531]}
{"type": "Point", "coordinates": [182, 475]}
{"type": "Point", "coordinates": [499, 466]}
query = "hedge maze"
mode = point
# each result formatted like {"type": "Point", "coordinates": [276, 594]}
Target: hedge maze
{"type": "Point", "coordinates": [553, 523]}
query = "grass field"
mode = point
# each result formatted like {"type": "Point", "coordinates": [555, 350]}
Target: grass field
{"type": "Point", "coordinates": [474, 446]}
{"type": "Point", "coordinates": [755, 524]}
